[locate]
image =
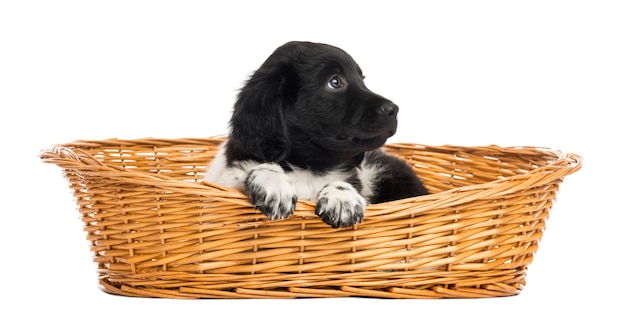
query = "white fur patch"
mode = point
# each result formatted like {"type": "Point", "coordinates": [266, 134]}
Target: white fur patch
{"type": "Point", "coordinates": [369, 174]}
{"type": "Point", "coordinates": [308, 184]}
{"type": "Point", "coordinates": [220, 173]}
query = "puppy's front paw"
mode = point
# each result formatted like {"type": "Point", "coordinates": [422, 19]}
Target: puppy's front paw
{"type": "Point", "coordinates": [340, 205]}
{"type": "Point", "coordinates": [270, 191]}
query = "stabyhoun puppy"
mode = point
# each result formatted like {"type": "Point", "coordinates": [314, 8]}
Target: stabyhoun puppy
{"type": "Point", "coordinates": [305, 126]}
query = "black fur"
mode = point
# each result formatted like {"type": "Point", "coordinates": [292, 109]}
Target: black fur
{"type": "Point", "coordinates": [307, 106]}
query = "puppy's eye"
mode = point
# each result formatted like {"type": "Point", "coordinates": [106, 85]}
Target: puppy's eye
{"type": "Point", "coordinates": [335, 83]}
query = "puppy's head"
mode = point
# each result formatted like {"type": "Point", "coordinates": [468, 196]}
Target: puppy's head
{"type": "Point", "coordinates": [309, 96]}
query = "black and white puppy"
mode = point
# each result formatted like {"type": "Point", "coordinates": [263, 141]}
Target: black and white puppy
{"type": "Point", "coordinates": [306, 126]}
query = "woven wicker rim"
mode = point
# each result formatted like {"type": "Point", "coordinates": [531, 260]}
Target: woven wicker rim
{"type": "Point", "coordinates": [72, 155]}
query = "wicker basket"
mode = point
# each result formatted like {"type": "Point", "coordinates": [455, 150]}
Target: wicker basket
{"type": "Point", "coordinates": [157, 230]}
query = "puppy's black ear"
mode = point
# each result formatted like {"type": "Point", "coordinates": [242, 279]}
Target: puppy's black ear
{"type": "Point", "coordinates": [258, 126]}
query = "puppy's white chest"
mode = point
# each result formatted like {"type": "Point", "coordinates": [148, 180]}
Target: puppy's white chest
{"type": "Point", "coordinates": [308, 183]}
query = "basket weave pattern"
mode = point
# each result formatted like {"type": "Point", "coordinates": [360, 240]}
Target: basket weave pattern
{"type": "Point", "coordinates": [157, 230]}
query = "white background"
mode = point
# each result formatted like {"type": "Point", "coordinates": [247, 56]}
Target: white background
{"type": "Point", "coordinates": [534, 73]}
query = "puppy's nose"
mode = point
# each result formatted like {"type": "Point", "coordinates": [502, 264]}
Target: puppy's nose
{"type": "Point", "coordinates": [389, 109]}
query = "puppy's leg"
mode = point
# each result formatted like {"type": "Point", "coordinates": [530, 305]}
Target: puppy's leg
{"type": "Point", "coordinates": [270, 190]}
{"type": "Point", "coordinates": [340, 205]}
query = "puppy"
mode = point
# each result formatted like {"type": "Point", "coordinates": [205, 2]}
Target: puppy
{"type": "Point", "coordinates": [305, 126]}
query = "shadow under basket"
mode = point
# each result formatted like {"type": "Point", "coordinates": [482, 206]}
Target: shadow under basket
{"type": "Point", "coordinates": [157, 230]}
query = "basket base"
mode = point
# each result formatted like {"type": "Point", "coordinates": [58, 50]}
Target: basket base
{"type": "Point", "coordinates": [411, 286]}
